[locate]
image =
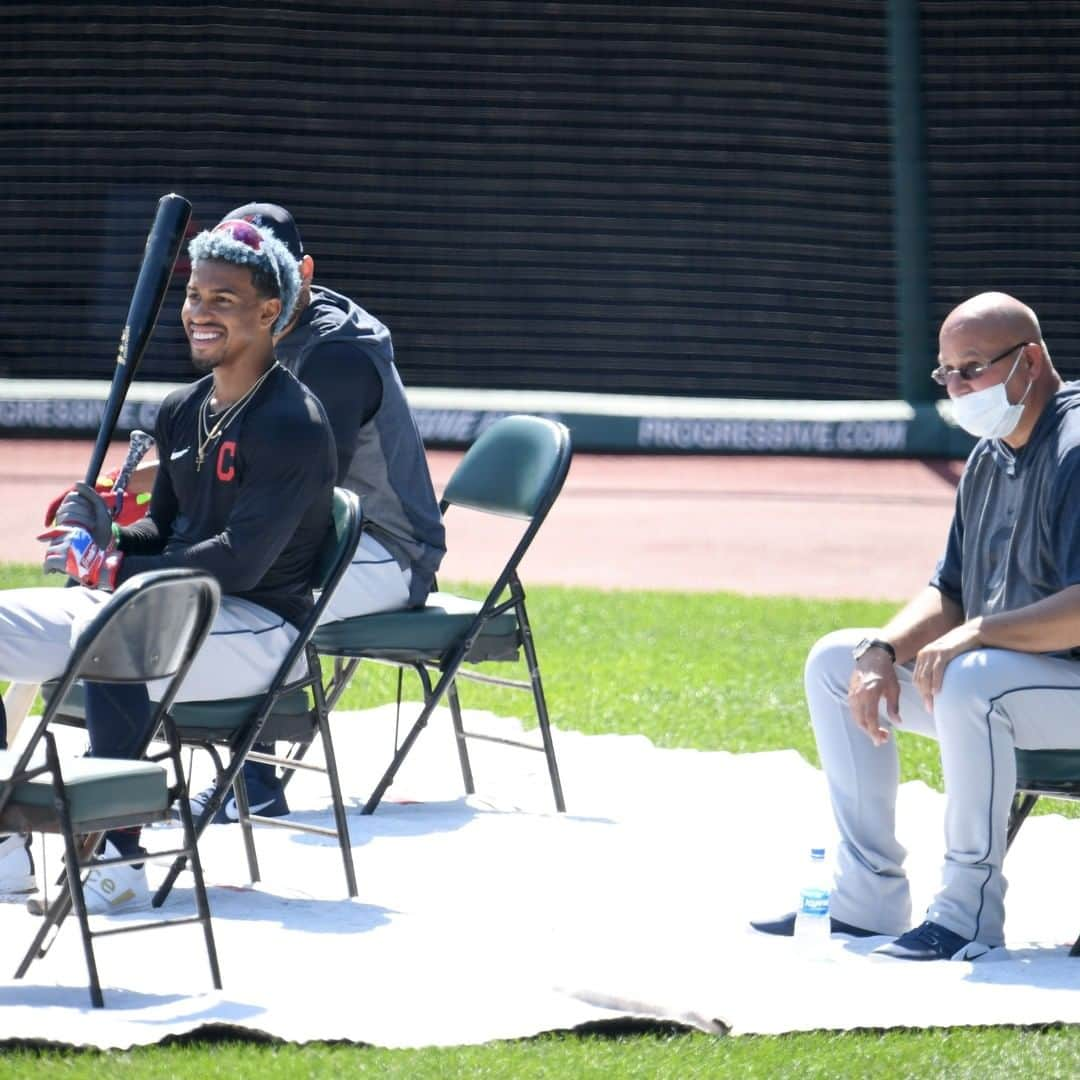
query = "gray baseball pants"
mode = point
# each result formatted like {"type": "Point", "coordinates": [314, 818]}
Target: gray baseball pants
{"type": "Point", "coordinates": [991, 702]}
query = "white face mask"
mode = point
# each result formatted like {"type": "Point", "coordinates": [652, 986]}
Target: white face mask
{"type": "Point", "coordinates": [988, 414]}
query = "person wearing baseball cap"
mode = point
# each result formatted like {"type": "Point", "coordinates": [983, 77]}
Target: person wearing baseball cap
{"type": "Point", "coordinates": [345, 356]}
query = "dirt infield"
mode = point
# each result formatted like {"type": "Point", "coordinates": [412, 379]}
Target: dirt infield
{"type": "Point", "coordinates": [818, 527]}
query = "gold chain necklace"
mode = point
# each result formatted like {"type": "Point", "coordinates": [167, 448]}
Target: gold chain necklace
{"type": "Point", "coordinates": [209, 433]}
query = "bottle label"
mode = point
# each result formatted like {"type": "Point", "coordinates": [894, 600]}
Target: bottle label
{"type": "Point", "coordinates": [815, 902]}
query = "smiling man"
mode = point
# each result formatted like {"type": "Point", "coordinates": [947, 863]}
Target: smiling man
{"type": "Point", "coordinates": [244, 490]}
{"type": "Point", "coordinates": [985, 659]}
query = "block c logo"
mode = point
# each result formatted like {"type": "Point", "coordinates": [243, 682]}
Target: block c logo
{"type": "Point", "coordinates": [226, 461]}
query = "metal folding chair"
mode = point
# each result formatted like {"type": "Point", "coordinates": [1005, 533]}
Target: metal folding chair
{"type": "Point", "coordinates": [150, 629]}
{"type": "Point", "coordinates": [1051, 773]}
{"type": "Point", "coordinates": [288, 711]}
{"type": "Point", "coordinates": [516, 468]}
{"type": "Point", "coordinates": [284, 712]}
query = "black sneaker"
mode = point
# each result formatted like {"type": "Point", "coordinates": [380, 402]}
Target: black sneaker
{"type": "Point", "coordinates": [785, 927]}
{"type": "Point", "coordinates": [932, 941]}
{"type": "Point", "coordinates": [266, 798]}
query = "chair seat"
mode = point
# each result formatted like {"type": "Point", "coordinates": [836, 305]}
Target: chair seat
{"type": "Point", "coordinates": [1050, 771]}
{"type": "Point", "coordinates": [425, 633]}
{"type": "Point", "coordinates": [97, 788]}
{"type": "Point", "coordinates": [210, 719]}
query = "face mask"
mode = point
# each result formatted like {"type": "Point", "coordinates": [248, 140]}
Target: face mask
{"type": "Point", "coordinates": [988, 414]}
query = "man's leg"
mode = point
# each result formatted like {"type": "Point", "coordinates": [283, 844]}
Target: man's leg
{"type": "Point", "coordinates": [246, 646]}
{"type": "Point", "coordinates": [118, 717]}
{"type": "Point", "coordinates": [990, 702]}
{"type": "Point", "coordinates": [372, 582]}
{"type": "Point", "coordinates": [871, 889]}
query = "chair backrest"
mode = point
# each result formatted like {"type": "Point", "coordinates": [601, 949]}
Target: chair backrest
{"type": "Point", "coordinates": [148, 629]}
{"type": "Point", "coordinates": [515, 468]}
{"type": "Point", "coordinates": [340, 540]}
{"type": "Point", "coordinates": [335, 554]}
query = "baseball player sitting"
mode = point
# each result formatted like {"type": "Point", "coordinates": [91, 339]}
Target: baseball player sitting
{"type": "Point", "coordinates": [345, 357]}
{"type": "Point", "coordinates": [225, 500]}
{"type": "Point", "coordinates": [984, 659]}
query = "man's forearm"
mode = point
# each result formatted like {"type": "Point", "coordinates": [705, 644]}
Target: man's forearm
{"type": "Point", "coordinates": [1048, 625]}
{"type": "Point", "coordinates": [922, 620]}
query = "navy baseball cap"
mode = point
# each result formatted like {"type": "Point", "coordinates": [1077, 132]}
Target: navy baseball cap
{"type": "Point", "coordinates": [275, 219]}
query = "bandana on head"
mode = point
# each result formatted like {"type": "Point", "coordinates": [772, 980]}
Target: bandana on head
{"type": "Point", "coordinates": [244, 244]}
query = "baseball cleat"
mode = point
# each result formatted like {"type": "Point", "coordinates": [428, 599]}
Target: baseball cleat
{"type": "Point", "coordinates": [112, 889]}
{"type": "Point", "coordinates": [17, 878]}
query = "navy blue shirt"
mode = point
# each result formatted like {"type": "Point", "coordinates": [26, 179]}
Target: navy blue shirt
{"type": "Point", "coordinates": [255, 513]}
{"type": "Point", "coordinates": [1015, 533]}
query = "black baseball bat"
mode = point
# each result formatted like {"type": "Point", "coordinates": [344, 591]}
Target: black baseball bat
{"type": "Point", "coordinates": [162, 247]}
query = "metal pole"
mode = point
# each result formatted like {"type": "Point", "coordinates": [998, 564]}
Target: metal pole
{"type": "Point", "coordinates": [911, 217]}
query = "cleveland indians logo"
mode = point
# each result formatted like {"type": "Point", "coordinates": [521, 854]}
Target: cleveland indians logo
{"type": "Point", "coordinates": [226, 461]}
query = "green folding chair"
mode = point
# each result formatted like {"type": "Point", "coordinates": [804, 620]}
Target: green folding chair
{"type": "Point", "coordinates": [289, 711]}
{"type": "Point", "coordinates": [151, 628]}
{"type": "Point", "coordinates": [516, 469]}
{"type": "Point", "coordinates": [1051, 773]}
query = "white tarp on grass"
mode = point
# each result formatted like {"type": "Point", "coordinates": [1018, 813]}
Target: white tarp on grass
{"type": "Point", "coordinates": [494, 917]}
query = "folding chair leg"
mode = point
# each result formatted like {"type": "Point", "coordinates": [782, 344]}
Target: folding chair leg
{"type": "Point", "coordinates": [71, 893]}
{"type": "Point", "coordinates": [341, 823]}
{"type": "Point", "coordinates": [243, 810]}
{"type": "Point", "coordinates": [462, 743]}
{"type": "Point", "coordinates": [431, 699]}
{"type": "Point", "coordinates": [78, 902]}
{"type": "Point", "coordinates": [1022, 805]}
{"type": "Point", "coordinates": [538, 696]}
{"type": "Point", "coordinates": [202, 904]}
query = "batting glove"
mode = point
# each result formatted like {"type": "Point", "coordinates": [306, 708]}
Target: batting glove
{"type": "Point", "coordinates": [124, 507]}
{"type": "Point", "coordinates": [72, 551]}
{"type": "Point", "coordinates": [83, 508]}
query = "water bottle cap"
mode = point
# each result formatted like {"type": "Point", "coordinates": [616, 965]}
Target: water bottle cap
{"type": "Point", "coordinates": [817, 853]}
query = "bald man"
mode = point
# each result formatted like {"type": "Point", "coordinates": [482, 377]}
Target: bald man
{"type": "Point", "coordinates": [983, 660]}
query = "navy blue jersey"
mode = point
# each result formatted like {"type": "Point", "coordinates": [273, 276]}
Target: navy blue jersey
{"type": "Point", "coordinates": [255, 512]}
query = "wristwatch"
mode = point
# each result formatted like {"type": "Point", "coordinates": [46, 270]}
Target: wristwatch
{"type": "Point", "coordinates": [872, 643]}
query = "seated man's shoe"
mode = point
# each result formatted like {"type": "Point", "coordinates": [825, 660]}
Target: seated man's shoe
{"type": "Point", "coordinates": [932, 941]}
{"type": "Point", "coordinates": [266, 797]}
{"type": "Point", "coordinates": [785, 927]}
{"type": "Point", "coordinates": [112, 889]}
{"type": "Point", "coordinates": [17, 878]}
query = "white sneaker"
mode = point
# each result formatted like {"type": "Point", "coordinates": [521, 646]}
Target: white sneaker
{"type": "Point", "coordinates": [112, 889]}
{"type": "Point", "coordinates": [16, 869]}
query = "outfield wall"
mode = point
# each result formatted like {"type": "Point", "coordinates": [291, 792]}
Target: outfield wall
{"type": "Point", "coordinates": [691, 199]}
{"type": "Point", "coordinates": [603, 423]}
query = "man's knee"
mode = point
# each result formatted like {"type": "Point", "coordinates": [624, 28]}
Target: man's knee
{"type": "Point", "coordinates": [965, 685]}
{"type": "Point", "coordinates": [829, 663]}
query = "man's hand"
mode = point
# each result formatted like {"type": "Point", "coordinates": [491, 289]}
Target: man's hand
{"type": "Point", "coordinates": [83, 508]}
{"type": "Point", "coordinates": [873, 680]}
{"type": "Point", "coordinates": [932, 659]}
{"type": "Point", "coordinates": [125, 508]}
{"type": "Point", "coordinates": [72, 551]}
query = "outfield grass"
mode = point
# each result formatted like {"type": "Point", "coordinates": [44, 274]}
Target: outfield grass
{"type": "Point", "coordinates": [713, 671]}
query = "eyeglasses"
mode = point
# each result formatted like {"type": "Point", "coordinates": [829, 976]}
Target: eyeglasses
{"type": "Point", "coordinates": [970, 372]}
{"type": "Point", "coordinates": [243, 231]}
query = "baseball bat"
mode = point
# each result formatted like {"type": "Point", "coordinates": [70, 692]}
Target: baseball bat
{"type": "Point", "coordinates": [20, 696]}
{"type": "Point", "coordinates": [162, 247]}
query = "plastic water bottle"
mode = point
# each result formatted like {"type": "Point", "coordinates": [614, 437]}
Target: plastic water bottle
{"type": "Point", "coordinates": [812, 922]}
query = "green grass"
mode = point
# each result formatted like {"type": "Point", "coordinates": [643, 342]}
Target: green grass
{"type": "Point", "coordinates": [713, 671]}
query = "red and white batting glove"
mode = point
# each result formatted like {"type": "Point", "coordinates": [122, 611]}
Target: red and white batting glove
{"type": "Point", "coordinates": [72, 551]}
